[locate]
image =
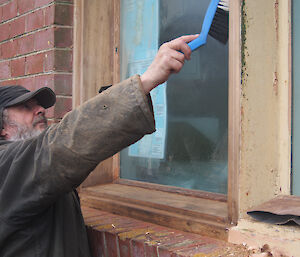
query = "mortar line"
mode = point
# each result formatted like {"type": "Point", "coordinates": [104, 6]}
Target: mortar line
{"type": "Point", "coordinates": [36, 52]}
{"type": "Point", "coordinates": [35, 31]}
{"type": "Point", "coordinates": [38, 74]}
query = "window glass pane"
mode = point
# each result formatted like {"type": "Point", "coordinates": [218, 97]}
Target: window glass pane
{"type": "Point", "coordinates": [189, 148]}
{"type": "Point", "coordinates": [296, 97]}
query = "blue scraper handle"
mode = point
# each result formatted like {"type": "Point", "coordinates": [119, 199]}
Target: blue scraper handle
{"type": "Point", "coordinates": [209, 16]}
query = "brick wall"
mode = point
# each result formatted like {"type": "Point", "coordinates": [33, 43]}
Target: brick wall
{"type": "Point", "coordinates": [116, 236]}
{"type": "Point", "coordinates": [36, 39]}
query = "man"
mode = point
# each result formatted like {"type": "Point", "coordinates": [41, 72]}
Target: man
{"type": "Point", "coordinates": [40, 167]}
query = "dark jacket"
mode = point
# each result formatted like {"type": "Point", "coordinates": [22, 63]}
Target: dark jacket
{"type": "Point", "coordinates": [39, 210]}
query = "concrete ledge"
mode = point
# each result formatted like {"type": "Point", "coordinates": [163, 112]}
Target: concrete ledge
{"type": "Point", "coordinates": [113, 235]}
{"type": "Point", "coordinates": [275, 240]}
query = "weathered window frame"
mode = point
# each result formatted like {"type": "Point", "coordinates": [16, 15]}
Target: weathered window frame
{"type": "Point", "coordinates": [96, 63]}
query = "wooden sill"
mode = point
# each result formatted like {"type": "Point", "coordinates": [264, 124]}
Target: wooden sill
{"type": "Point", "coordinates": [187, 213]}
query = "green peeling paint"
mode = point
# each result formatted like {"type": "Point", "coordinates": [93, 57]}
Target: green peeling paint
{"type": "Point", "coordinates": [244, 26]}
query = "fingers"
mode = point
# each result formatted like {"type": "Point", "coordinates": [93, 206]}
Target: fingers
{"type": "Point", "coordinates": [189, 38]}
{"type": "Point", "coordinates": [169, 59]}
{"type": "Point", "coordinates": [173, 54]}
{"type": "Point", "coordinates": [176, 66]}
{"type": "Point", "coordinates": [180, 44]}
{"type": "Point", "coordinates": [175, 62]}
{"type": "Point", "coordinates": [178, 56]}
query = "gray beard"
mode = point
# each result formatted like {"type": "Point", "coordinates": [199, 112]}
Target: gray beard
{"type": "Point", "coordinates": [23, 132]}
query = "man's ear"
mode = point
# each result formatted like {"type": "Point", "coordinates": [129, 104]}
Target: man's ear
{"type": "Point", "coordinates": [1, 122]}
{"type": "Point", "coordinates": [4, 133]}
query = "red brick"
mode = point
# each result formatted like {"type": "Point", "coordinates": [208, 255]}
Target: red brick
{"type": "Point", "coordinates": [25, 44]}
{"type": "Point", "coordinates": [50, 112]}
{"type": "Point", "coordinates": [168, 240]}
{"type": "Point", "coordinates": [49, 15]}
{"type": "Point", "coordinates": [9, 49]}
{"type": "Point", "coordinates": [5, 70]}
{"type": "Point", "coordinates": [1, 11]}
{"type": "Point", "coordinates": [204, 248]}
{"type": "Point", "coordinates": [34, 64]}
{"type": "Point", "coordinates": [9, 11]}
{"type": "Point", "coordinates": [63, 37]}
{"type": "Point", "coordinates": [111, 244]}
{"type": "Point", "coordinates": [105, 224]}
{"type": "Point", "coordinates": [44, 39]}
{"type": "Point", "coordinates": [125, 248]}
{"type": "Point", "coordinates": [58, 60]}
{"type": "Point", "coordinates": [26, 82]}
{"type": "Point", "coordinates": [18, 67]}
{"type": "Point", "coordinates": [40, 3]}
{"type": "Point", "coordinates": [166, 253]}
{"type": "Point", "coordinates": [35, 20]}
{"type": "Point", "coordinates": [151, 251]}
{"type": "Point", "coordinates": [183, 244]}
{"type": "Point", "coordinates": [93, 221]}
{"type": "Point", "coordinates": [63, 60]}
{"type": "Point", "coordinates": [137, 249]}
{"type": "Point", "coordinates": [18, 26]}
{"type": "Point", "coordinates": [121, 227]}
{"type": "Point", "coordinates": [97, 245]}
{"type": "Point", "coordinates": [7, 82]}
{"type": "Point", "coordinates": [62, 106]}
{"type": "Point", "coordinates": [4, 31]}
{"type": "Point", "coordinates": [63, 84]}
{"type": "Point", "coordinates": [160, 241]}
{"type": "Point", "coordinates": [63, 14]}
{"type": "Point", "coordinates": [25, 6]}
{"type": "Point", "coordinates": [49, 61]}
{"type": "Point", "coordinates": [44, 80]}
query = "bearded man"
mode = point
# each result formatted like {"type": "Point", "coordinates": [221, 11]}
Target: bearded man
{"type": "Point", "coordinates": [41, 166]}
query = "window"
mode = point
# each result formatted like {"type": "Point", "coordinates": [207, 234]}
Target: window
{"type": "Point", "coordinates": [189, 148]}
{"type": "Point", "coordinates": [177, 183]}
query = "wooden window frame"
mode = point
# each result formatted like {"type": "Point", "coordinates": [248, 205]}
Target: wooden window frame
{"type": "Point", "coordinates": [96, 63]}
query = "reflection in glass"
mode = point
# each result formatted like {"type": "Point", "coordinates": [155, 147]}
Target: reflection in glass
{"type": "Point", "coordinates": [195, 113]}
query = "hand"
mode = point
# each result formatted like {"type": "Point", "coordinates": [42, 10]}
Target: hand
{"type": "Point", "coordinates": [169, 59]}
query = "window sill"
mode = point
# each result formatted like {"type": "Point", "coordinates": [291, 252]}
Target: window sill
{"type": "Point", "coordinates": [186, 213]}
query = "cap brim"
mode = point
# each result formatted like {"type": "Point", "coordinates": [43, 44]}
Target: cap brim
{"type": "Point", "coordinates": [44, 96]}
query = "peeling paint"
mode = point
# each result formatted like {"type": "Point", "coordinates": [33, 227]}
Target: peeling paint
{"type": "Point", "coordinates": [244, 52]}
{"type": "Point", "coordinates": [261, 95]}
{"type": "Point", "coordinates": [276, 19]}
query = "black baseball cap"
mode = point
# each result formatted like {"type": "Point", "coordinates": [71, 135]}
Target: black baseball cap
{"type": "Point", "coordinates": [15, 95]}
